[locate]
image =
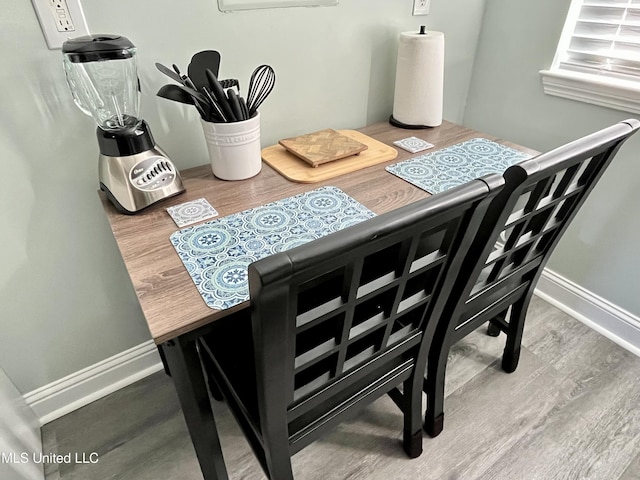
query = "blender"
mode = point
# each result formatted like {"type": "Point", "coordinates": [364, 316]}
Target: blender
{"type": "Point", "coordinates": [134, 172]}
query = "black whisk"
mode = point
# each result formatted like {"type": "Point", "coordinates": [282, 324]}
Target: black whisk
{"type": "Point", "coordinates": [261, 84]}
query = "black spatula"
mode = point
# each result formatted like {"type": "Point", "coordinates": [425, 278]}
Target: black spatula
{"type": "Point", "coordinates": [200, 62]}
{"type": "Point", "coordinates": [218, 93]}
{"type": "Point", "coordinates": [175, 93]}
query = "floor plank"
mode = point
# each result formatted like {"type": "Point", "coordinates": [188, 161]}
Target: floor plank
{"type": "Point", "coordinates": [570, 411]}
{"type": "Point", "coordinates": [633, 470]}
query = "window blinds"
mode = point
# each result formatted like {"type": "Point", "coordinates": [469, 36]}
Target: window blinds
{"type": "Point", "coordinates": [605, 40]}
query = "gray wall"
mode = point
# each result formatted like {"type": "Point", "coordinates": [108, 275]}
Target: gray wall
{"type": "Point", "coordinates": [65, 299]}
{"type": "Point", "coordinates": [600, 249]}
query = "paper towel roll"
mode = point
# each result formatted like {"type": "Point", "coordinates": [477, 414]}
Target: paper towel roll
{"type": "Point", "coordinates": [418, 95]}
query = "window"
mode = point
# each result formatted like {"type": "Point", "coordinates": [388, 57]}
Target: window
{"type": "Point", "coordinates": [598, 56]}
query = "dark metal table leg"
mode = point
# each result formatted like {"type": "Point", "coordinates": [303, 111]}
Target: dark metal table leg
{"type": "Point", "coordinates": [182, 359]}
{"type": "Point", "coordinates": [164, 361]}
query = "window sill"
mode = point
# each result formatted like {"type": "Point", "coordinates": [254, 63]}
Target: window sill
{"type": "Point", "coordinates": [610, 93]}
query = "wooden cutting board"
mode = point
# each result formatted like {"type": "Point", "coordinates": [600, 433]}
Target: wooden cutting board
{"type": "Point", "coordinates": [323, 146]}
{"type": "Point", "coordinates": [297, 170]}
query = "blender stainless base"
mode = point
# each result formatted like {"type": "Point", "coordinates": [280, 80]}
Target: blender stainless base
{"type": "Point", "coordinates": [134, 182]}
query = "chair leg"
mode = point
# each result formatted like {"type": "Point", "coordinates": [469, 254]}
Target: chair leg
{"type": "Point", "coordinates": [276, 456]}
{"type": "Point", "coordinates": [433, 386]}
{"type": "Point", "coordinates": [511, 355]}
{"type": "Point", "coordinates": [278, 461]}
{"type": "Point", "coordinates": [433, 424]}
{"type": "Point", "coordinates": [282, 470]}
{"type": "Point", "coordinates": [412, 444]}
{"type": "Point", "coordinates": [493, 329]}
{"type": "Point", "coordinates": [510, 361]}
{"type": "Point", "coordinates": [412, 434]}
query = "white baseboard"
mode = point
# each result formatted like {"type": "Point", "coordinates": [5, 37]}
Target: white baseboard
{"type": "Point", "coordinates": [94, 382]}
{"type": "Point", "coordinates": [615, 323]}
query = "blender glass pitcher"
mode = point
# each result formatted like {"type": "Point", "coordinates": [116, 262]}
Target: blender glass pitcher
{"type": "Point", "coordinates": [102, 74]}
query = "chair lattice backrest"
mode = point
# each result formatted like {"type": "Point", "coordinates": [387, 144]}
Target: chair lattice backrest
{"type": "Point", "coordinates": [337, 319]}
{"type": "Point", "coordinates": [522, 226]}
{"type": "Point", "coordinates": [527, 219]}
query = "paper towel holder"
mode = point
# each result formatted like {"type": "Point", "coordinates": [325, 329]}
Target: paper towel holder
{"type": "Point", "coordinates": [399, 124]}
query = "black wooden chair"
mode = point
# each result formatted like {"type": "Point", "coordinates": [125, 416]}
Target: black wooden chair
{"type": "Point", "coordinates": [518, 234]}
{"type": "Point", "coordinates": [338, 322]}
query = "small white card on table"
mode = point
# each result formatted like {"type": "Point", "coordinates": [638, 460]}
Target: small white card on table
{"type": "Point", "coordinates": [191, 212]}
{"type": "Point", "coordinates": [413, 144]}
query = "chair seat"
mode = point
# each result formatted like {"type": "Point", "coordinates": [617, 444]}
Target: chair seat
{"type": "Point", "coordinates": [229, 352]}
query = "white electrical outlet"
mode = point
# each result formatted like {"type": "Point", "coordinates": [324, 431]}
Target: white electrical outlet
{"type": "Point", "coordinates": [61, 17]}
{"type": "Point", "coordinates": [60, 20]}
{"type": "Point", "coordinates": [421, 7]}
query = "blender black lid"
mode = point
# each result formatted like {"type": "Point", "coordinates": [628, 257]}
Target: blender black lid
{"type": "Point", "coordinates": [91, 48]}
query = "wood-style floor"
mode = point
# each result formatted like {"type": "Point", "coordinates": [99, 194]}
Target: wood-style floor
{"type": "Point", "coordinates": [570, 411]}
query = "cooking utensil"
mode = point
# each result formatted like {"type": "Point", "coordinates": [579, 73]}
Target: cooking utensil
{"type": "Point", "coordinates": [243, 106]}
{"type": "Point", "coordinates": [231, 83]}
{"type": "Point", "coordinates": [201, 102]}
{"type": "Point", "coordinates": [261, 84]}
{"type": "Point", "coordinates": [169, 73]}
{"type": "Point", "coordinates": [176, 75]}
{"type": "Point", "coordinates": [175, 93]}
{"type": "Point", "coordinates": [235, 104]}
{"type": "Point", "coordinates": [217, 115]}
{"type": "Point", "coordinates": [200, 62]}
{"type": "Point", "coordinates": [216, 100]}
{"type": "Point", "coordinates": [196, 95]}
{"type": "Point", "coordinates": [218, 93]}
{"type": "Point", "coordinates": [183, 79]}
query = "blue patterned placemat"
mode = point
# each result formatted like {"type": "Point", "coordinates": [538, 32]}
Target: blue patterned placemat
{"type": "Point", "coordinates": [217, 253]}
{"type": "Point", "coordinates": [438, 171]}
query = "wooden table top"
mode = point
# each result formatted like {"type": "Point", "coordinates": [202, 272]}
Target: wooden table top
{"type": "Point", "coordinates": [169, 299]}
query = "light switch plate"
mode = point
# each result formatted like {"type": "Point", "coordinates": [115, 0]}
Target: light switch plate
{"type": "Point", "coordinates": [421, 7]}
{"type": "Point", "coordinates": [60, 20]}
